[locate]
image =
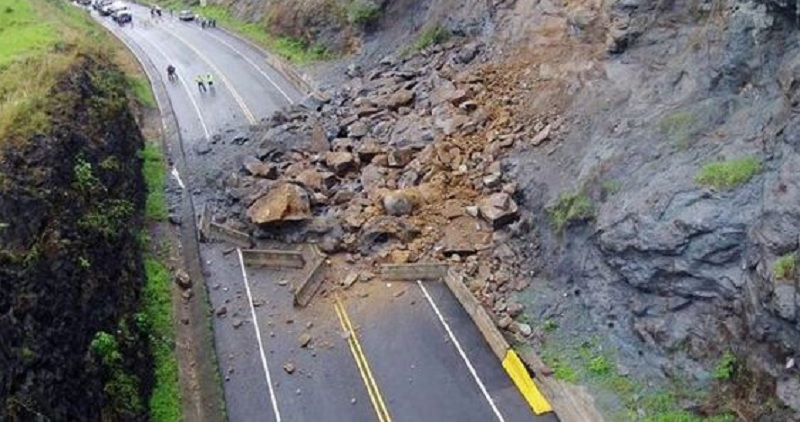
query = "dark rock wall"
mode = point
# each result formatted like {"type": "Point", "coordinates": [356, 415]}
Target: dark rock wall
{"type": "Point", "coordinates": [70, 263]}
{"type": "Point", "coordinates": [668, 268]}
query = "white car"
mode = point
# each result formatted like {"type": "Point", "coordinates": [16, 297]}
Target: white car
{"type": "Point", "coordinates": [112, 8]}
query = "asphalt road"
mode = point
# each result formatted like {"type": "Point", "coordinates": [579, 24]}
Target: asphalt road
{"type": "Point", "coordinates": [378, 351]}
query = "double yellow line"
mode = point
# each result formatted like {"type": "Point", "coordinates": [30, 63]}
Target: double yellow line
{"type": "Point", "coordinates": [361, 361]}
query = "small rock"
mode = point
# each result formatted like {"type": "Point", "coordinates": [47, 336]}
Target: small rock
{"type": "Point", "coordinates": [202, 148]}
{"type": "Point", "coordinates": [493, 180]}
{"type": "Point", "coordinates": [237, 322]}
{"type": "Point", "coordinates": [514, 309]}
{"type": "Point", "coordinates": [304, 339]}
{"type": "Point", "coordinates": [185, 321]}
{"type": "Point", "coordinates": [353, 400]}
{"type": "Point", "coordinates": [222, 310]}
{"type": "Point", "coordinates": [283, 282]}
{"type": "Point", "coordinates": [288, 367]}
{"type": "Point", "coordinates": [182, 279]}
{"type": "Point", "coordinates": [505, 322]}
{"type": "Point", "coordinates": [350, 280]}
{"type": "Point", "coordinates": [340, 162]}
{"type": "Point", "coordinates": [357, 130]}
{"type": "Point", "coordinates": [400, 157]}
{"type": "Point", "coordinates": [472, 211]}
{"type": "Point", "coordinates": [524, 329]}
{"type": "Point", "coordinates": [541, 136]}
{"type": "Point", "coordinates": [399, 293]}
{"type": "Point", "coordinates": [398, 203]}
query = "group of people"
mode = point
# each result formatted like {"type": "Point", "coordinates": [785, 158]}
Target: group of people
{"type": "Point", "coordinates": [207, 22]}
{"type": "Point", "coordinates": [204, 82]}
{"type": "Point", "coordinates": [155, 11]}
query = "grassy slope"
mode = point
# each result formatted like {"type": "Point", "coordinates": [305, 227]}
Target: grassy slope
{"type": "Point", "coordinates": [40, 40]}
{"type": "Point", "coordinates": [165, 403]}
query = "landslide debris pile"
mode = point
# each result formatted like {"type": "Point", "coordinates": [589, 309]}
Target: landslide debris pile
{"type": "Point", "coordinates": [401, 164]}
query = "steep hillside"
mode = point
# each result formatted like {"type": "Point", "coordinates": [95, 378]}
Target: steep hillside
{"type": "Point", "coordinates": [73, 343]}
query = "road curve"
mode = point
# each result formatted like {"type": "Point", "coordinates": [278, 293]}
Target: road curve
{"type": "Point", "coordinates": [385, 352]}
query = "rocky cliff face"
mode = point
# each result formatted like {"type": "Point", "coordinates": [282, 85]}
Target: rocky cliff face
{"type": "Point", "coordinates": [70, 203]}
{"type": "Point", "coordinates": [369, 27]}
{"type": "Point", "coordinates": [674, 270]}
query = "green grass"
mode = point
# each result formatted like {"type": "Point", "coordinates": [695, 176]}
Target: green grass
{"type": "Point", "coordinates": [725, 368]}
{"type": "Point", "coordinates": [155, 176]}
{"type": "Point", "coordinates": [292, 49]}
{"type": "Point", "coordinates": [165, 405]}
{"type": "Point", "coordinates": [570, 206]}
{"type": "Point", "coordinates": [728, 174]}
{"type": "Point", "coordinates": [587, 363]}
{"type": "Point", "coordinates": [140, 87]}
{"type": "Point", "coordinates": [785, 268]}
{"type": "Point", "coordinates": [39, 41]}
{"type": "Point", "coordinates": [24, 33]}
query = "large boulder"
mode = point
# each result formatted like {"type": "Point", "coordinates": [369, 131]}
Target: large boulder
{"type": "Point", "coordinates": [340, 162]}
{"type": "Point", "coordinates": [285, 202]}
{"type": "Point", "coordinates": [498, 209]}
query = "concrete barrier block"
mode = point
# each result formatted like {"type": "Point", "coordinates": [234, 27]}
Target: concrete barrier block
{"type": "Point", "coordinates": [482, 320]}
{"type": "Point", "coordinates": [227, 234]}
{"type": "Point", "coordinates": [313, 279]}
{"type": "Point", "coordinates": [413, 272]}
{"type": "Point", "coordinates": [273, 258]}
{"type": "Point", "coordinates": [204, 224]}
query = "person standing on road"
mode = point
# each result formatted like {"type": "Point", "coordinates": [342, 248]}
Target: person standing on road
{"type": "Point", "coordinates": [210, 81]}
{"type": "Point", "coordinates": [201, 85]}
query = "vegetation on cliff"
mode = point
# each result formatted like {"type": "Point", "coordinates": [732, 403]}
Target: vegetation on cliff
{"type": "Point", "coordinates": [83, 336]}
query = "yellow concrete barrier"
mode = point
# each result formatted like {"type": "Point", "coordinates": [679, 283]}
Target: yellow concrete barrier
{"type": "Point", "coordinates": [522, 379]}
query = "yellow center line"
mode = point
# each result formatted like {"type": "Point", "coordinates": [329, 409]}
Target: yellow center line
{"type": "Point", "coordinates": [221, 75]}
{"type": "Point", "coordinates": [363, 366]}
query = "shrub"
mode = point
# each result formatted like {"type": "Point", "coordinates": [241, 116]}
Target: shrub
{"type": "Point", "coordinates": [363, 14]}
{"type": "Point", "coordinates": [785, 268]}
{"type": "Point", "coordinates": [725, 367]}
{"type": "Point", "coordinates": [570, 206]}
{"type": "Point", "coordinates": [433, 35]}
{"type": "Point", "coordinates": [599, 365]}
{"type": "Point", "coordinates": [728, 174]}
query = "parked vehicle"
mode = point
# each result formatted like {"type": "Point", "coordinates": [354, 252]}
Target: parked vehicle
{"type": "Point", "coordinates": [186, 15]}
{"type": "Point", "coordinates": [122, 16]}
{"type": "Point", "coordinates": [98, 4]}
{"type": "Point", "coordinates": [108, 10]}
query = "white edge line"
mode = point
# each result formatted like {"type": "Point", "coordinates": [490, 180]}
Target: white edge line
{"type": "Point", "coordinates": [461, 352]}
{"type": "Point", "coordinates": [188, 91]}
{"type": "Point", "coordinates": [255, 66]}
{"type": "Point", "coordinates": [258, 337]}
